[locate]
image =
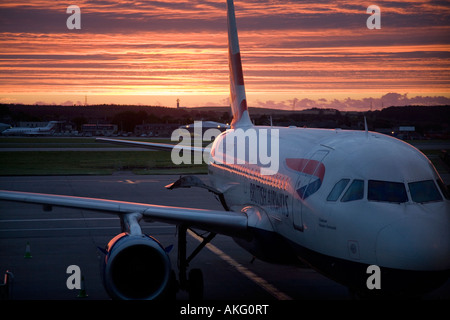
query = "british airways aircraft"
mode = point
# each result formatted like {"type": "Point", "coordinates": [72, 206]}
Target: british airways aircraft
{"type": "Point", "coordinates": [340, 201]}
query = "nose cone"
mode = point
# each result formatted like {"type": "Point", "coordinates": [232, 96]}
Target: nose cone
{"type": "Point", "coordinates": [415, 243]}
{"type": "Point", "coordinates": [414, 255]}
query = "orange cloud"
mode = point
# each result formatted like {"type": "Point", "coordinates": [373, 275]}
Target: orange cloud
{"type": "Point", "coordinates": [179, 48]}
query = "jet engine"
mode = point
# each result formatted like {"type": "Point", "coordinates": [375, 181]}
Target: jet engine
{"type": "Point", "coordinates": [136, 267]}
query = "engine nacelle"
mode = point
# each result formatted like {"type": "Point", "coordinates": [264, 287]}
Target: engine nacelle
{"type": "Point", "coordinates": [136, 267]}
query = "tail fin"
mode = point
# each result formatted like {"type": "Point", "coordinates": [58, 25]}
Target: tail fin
{"type": "Point", "coordinates": [51, 124]}
{"type": "Point", "coordinates": [241, 117]}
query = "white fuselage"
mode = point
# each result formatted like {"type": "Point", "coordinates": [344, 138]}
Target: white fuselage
{"type": "Point", "coordinates": [372, 217]}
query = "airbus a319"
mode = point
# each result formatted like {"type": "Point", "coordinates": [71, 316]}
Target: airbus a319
{"type": "Point", "coordinates": [337, 200]}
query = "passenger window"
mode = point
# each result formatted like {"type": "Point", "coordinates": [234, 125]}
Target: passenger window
{"type": "Point", "coordinates": [354, 192]}
{"type": "Point", "coordinates": [387, 191]}
{"type": "Point", "coordinates": [424, 191]}
{"type": "Point", "coordinates": [337, 189]}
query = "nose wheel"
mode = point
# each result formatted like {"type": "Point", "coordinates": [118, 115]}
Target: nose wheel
{"type": "Point", "coordinates": [192, 282]}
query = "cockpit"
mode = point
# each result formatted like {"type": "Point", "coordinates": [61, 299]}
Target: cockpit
{"type": "Point", "coordinates": [425, 191]}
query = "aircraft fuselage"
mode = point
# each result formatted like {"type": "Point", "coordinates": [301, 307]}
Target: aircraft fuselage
{"type": "Point", "coordinates": [340, 201]}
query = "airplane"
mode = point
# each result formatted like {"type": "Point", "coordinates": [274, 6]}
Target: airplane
{"type": "Point", "coordinates": [340, 201]}
{"type": "Point", "coordinates": [49, 129]}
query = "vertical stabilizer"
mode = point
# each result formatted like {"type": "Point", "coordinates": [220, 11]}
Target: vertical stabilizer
{"type": "Point", "coordinates": [238, 101]}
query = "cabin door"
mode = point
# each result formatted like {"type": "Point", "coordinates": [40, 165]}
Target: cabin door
{"type": "Point", "coordinates": [311, 172]}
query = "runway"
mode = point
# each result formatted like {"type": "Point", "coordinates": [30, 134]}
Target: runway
{"type": "Point", "coordinates": [65, 237]}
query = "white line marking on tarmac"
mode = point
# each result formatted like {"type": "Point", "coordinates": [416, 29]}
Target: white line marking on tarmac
{"type": "Point", "coordinates": [57, 229]}
{"type": "Point", "coordinates": [58, 219]}
{"type": "Point", "coordinates": [244, 271]}
{"type": "Point", "coordinates": [80, 228]}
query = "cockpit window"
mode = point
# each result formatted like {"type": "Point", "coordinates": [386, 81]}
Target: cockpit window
{"type": "Point", "coordinates": [337, 189]}
{"type": "Point", "coordinates": [387, 191]}
{"type": "Point", "coordinates": [424, 191]}
{"type": "Point", "coordinates": [354, 192]}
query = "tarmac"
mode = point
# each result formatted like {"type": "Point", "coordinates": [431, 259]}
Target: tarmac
{"type": "Point", "coordinates": [64, 237]}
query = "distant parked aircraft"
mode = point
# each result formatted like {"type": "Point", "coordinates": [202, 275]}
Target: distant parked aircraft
{"type": "Point", "coordinates": [49, 129]}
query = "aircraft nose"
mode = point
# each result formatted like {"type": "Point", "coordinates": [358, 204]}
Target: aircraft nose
{"type": "Point", "coordinates": [415, 244]}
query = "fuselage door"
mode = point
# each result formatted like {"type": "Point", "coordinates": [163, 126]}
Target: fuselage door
{"type": "Point", "coordinates": [310, 177]}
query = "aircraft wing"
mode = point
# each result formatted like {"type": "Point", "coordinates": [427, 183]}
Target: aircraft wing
{"type": "Point", "coordinates": [223, 222]}
{"type": "Point", "coordinates": [153, 145]}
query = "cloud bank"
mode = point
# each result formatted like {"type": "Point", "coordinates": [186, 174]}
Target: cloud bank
{"type": "Point", "coordinates": [178, 47]}
{"type": "Point", "coordinates": [349, 104]}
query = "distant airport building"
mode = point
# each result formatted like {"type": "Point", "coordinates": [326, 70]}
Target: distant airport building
{"type": "Point", "coordinates": [155, 129]}
{"type": "Point", "coordinates": [407, 129]}
{"type": "Point", "coordinates": [90, 130]}
{"type": "Point", "coordinates": [402, 132]}
{"type": "Point", "coordinates": [205, 125]}
{"type": "Point", "coordinates": [407, 133]}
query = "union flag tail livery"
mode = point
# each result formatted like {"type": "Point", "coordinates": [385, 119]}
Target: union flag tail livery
{"type": "Point", "coordinates": [238, 100]}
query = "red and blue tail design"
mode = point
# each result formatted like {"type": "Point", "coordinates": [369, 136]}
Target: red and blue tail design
{"type": "Point", "coordinates": [313, 168]}
{"type": "Point", "coordinates": [238, 101]}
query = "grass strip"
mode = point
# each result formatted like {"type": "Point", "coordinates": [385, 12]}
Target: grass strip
{"type": "Point", "coordinates": [91, 163]}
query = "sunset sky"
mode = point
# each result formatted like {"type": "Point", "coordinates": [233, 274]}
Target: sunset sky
{"type": "Point", "coordinates": [302, 53]}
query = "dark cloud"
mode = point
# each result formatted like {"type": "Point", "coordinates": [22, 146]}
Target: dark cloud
{"type": "Point", "coordinates": [117, 16]}
{"type": "Point", "coordinates": [350, 104]}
